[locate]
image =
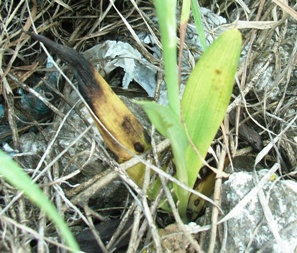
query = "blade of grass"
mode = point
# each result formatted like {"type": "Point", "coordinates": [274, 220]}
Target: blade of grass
{"type": "Point", "coordinates": [166, 12]}
{"type": "Point", "coordinates": [13, 174]}
{"type": "Point", "coordinates": [199, 23]}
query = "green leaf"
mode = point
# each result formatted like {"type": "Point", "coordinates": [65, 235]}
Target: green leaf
{"type": "Point", "coordinates": [166, 12]}
{"type": "Point", "coordinates": [207, 95]}
{"type": "Point", "coordinates": [13, 174]}
{"type": "Point", "coordinates": [199, 23]}
{"type": "Point", "coordinates": [169, 125]}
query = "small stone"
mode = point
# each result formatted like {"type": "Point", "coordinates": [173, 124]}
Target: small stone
{"type": "Point", "coordinates": [248, 231]}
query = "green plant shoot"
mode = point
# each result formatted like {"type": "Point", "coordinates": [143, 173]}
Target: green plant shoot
{"type": "Point", "coordinates": [207, 95]}
{"type": "Point", "coordinates": [166, 12]}
{"type": "Point", "coordinates": [167, 119]}
{"type": "Point", "coordinates": [170, 126]}
{"type": "Point", "coordinates": [199, 23]}
{"type": "Point", "coordinates": [13, 174]}
{"type": "Point", "coordinates": [204, 103]}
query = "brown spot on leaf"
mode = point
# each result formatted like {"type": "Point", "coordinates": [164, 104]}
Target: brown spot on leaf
{"type": "Point", "coordinates": [218, 71]}
{"type": "Point", "coordinates": [127, 124]}
{"type": "Point", "coordinates": [196, 202]}
{"type": "Point", "coordinates": [138, 147]}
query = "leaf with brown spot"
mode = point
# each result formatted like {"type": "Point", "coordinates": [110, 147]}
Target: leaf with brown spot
{"type": "Point", "coordinates": [205, 100]}
{"type": "Point", "coordinates": [120, 129]}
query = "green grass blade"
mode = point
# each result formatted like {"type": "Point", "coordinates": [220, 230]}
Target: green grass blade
{"type": "Point", "coordinates": [13, 174]}
{"type": "Point", "coordinates": [207, 95]}
{"type": "Point", "coordinates": [169, 125]}
{"type": "Point", "coordinates": [166, 12]}
{"type": "Point", "coordinates": [199, 24]}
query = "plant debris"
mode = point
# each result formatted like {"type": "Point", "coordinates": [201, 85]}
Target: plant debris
{"type": "Point", "coordinates": [64, 161]}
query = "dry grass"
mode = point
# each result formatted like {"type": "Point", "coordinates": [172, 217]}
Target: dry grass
{"type": "Point", "coordinates": [269, 32]}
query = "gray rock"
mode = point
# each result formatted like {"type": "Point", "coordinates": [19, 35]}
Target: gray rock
{"type": "Point", "coordinates": [248, 230]}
